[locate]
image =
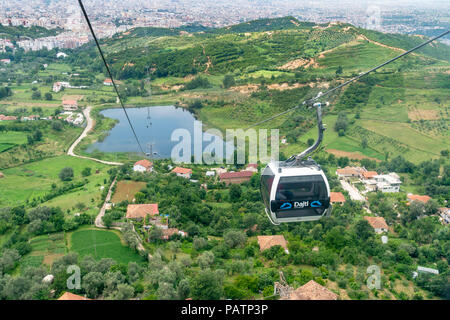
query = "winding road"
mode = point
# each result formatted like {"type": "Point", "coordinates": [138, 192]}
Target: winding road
{"type": "Point", "coordinates": [89, 127]}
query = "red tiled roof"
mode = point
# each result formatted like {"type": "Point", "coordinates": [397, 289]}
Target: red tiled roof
{"type": "Point", "coordinates": [107, 81]}
{"type": "Point", "coordinates": [140, 211]}
{"type": "Point", "coordinates": [182, 170]}
{"type": "Point", "coordinates": [348, 171]}
{"type": "Point", "coordinates": [71, 296]}
{"type": "Point", "coordinates": [3, 117]}
{"type": "Point", "coordinates": [145, 163]}
{"type": "Point", "coordinates": [414, 197]}
{"type": "Point", "coordinates": [267, 242]}
{"type": "Point", "coordinates": [337, 197]}
{"type": "Point", "coordinates": [369, 174]}
{"type": "Point", "coordinates": [377, 222]}
{"type": "Point", "coordinates": [240, 174]}
{"type": "Point", "coordinates": [71, 102]}
{"type": "Point", "coordinates": [313, 291]}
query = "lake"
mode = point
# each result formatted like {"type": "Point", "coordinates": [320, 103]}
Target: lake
{"type": "Point", "coordinates": [165, 120]}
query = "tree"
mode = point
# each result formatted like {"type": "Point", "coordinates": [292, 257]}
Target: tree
{"type": "Point", "coordinates": [93, 284]}
{"type": "Point", "coordinates": [86, 172]}
{"type": "Point", "coordinates": [235, 192]}
{"type": "Point", "coordinates": [123, 292]}
{"type": "Point", "coordinates": [48, 96]}
{"type": "Point", "coordinates": [155, 234]}
{"type": "Point", "coordinates": [364, 143]}
{"type": "Point", "coordinates": [310, 141]}
{"type": "Point", "coordinates": [166, 291]}
{"type": "Point", "coordinates": [341, 123]}
{"type": "Point", "coordinates": [66, 174]}
{"type": "Point", "coordinates": [57, 125]}
{"type": "Point", "coordinates": [363, 230]}
{"type": "Point", "coordinates": [234, 238]}
{"type": "Point", "coordinates": [207, 285]}
{"type": "Point", "coordinates": [183, 289]}
{"type": "Point", "coordinates": [36, 95]}
{"type": "Point", "coordinates": [339, 70]}
{"type": "Point", "coordinates": [206, 259]}
{"type": "Point", "coordinates": [228, 81]}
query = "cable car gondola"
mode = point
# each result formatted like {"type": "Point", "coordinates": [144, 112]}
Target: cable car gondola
{"type": "Point", "coordinates": [297, 190]}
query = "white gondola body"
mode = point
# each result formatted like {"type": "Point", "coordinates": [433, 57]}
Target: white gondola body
{"type": "Point", "coordinates": [301, 209]}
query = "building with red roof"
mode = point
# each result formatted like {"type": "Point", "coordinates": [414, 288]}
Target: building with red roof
{"type": "Point", "coordinates": [70, 105]}
{"type": "Point", "coordinates": [236, 177]}
{"type": "Point", "coordinates": [183, 172]}
{"type": "Point", "coordinates": [140, 211]}
{"type": "Point", "coordinates": [143, 166]}
{"type": "Point", "coordinates": [378, 224]}
{"type": "Point", "coordinates": [414, 197]}
{"type": "Point", "coordinates": [70, 296]}
{"type": "Point", "coordinates": [108, 82]}
{"type": "Point", "coordinates": [337, 197]}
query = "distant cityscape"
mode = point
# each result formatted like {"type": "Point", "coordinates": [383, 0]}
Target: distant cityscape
{"type": "Point", "coordinates": [110, 16]}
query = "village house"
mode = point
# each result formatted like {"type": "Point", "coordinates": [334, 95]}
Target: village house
{"type": "Point", "coordinates": [57, 86]}
{"type": "Point", "coordinates": [140, 211]}
{"type": "Point", "coordinates": [388, 183]}
{"type": "Point", "coordinates": [267, 242]}
{"type": "Point", "coordinates": [30, 118]}
{"type": "Point", "coordinates": [252, 167]}
{"type": "Point", "coordinates": [444, 214]}
{"type": "Point", "coordinates": [210, 173]}
{"type": "Point", "coordinates": [167, 233]}
{"type": "Point", "coordinates": [70, 105]}
{"type": "Point", "coordinates": [369, 175]}
{"type": "Point", "coordinates": [143, 166]}
{"type": "Point", "coordinates": [6, 61]}
{"type": "Point", "coordinates": [70, 296]}
{"type": "Point", "coordinates": [413, 197]}
{"type": "Point", "coordinates": [337, 197]}
{"type": "Point", "coordinates": [378, 224]}
{"type": "Point", "coordinates": [236, 177]}
{"type": "Point", "coordinates": [183, 172]}
{"type": "Point", "coordinates": [7, 118]}
{"type": "Point", "coordinates": [108, 82]}
{"type": "Point", "coordinates": [425, 270]}
{"type": "Point", "coordinates": [311, 291]}
{"type": "Point", "coordinates": [349, 172]}
{"type": "Point", "coordinates": [219, 171]}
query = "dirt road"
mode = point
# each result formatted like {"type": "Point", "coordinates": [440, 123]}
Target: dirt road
{"type": "Point", "coordinates": [89, 126]}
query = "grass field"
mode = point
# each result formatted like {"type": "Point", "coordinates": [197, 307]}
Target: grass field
{"type": "Point", "coordinates": [101, 244]}
{"type": "Point", "coordinates": [35, 179]}
{"type": "Point", "coordinates": [126, 190]}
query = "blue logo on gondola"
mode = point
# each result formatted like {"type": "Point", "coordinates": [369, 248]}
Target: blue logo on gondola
{"type": "Point", "coordinates": [316, 204]}
{"type": "Point", "coordinates": [286, 206]}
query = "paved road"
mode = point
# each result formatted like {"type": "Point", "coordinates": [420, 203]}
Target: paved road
{"type": "Point", "coordinates": [353, 192]}
{"type": "Point", "coordinates": [89, 126]}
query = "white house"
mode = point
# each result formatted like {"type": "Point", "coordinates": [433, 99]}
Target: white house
{"type": "Point", "coordinates": [252, 167]}
{"type": "Point", "coordinates": [61, 55]}
{"type": "Point", "coordinates": [425, 270]}
{"type": "Point", "coordinates": [108, 82]}
{"type": "Point", "coordinates": [210, 173]}
{"type": "Point", "coordinates": [143, 166]}
{"type": "Point", "coordinates": [183, 172]}
{"type": "Point", "coordinates": [57, 86]}
{"type": "Point", "coordinates": [388, 182]}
